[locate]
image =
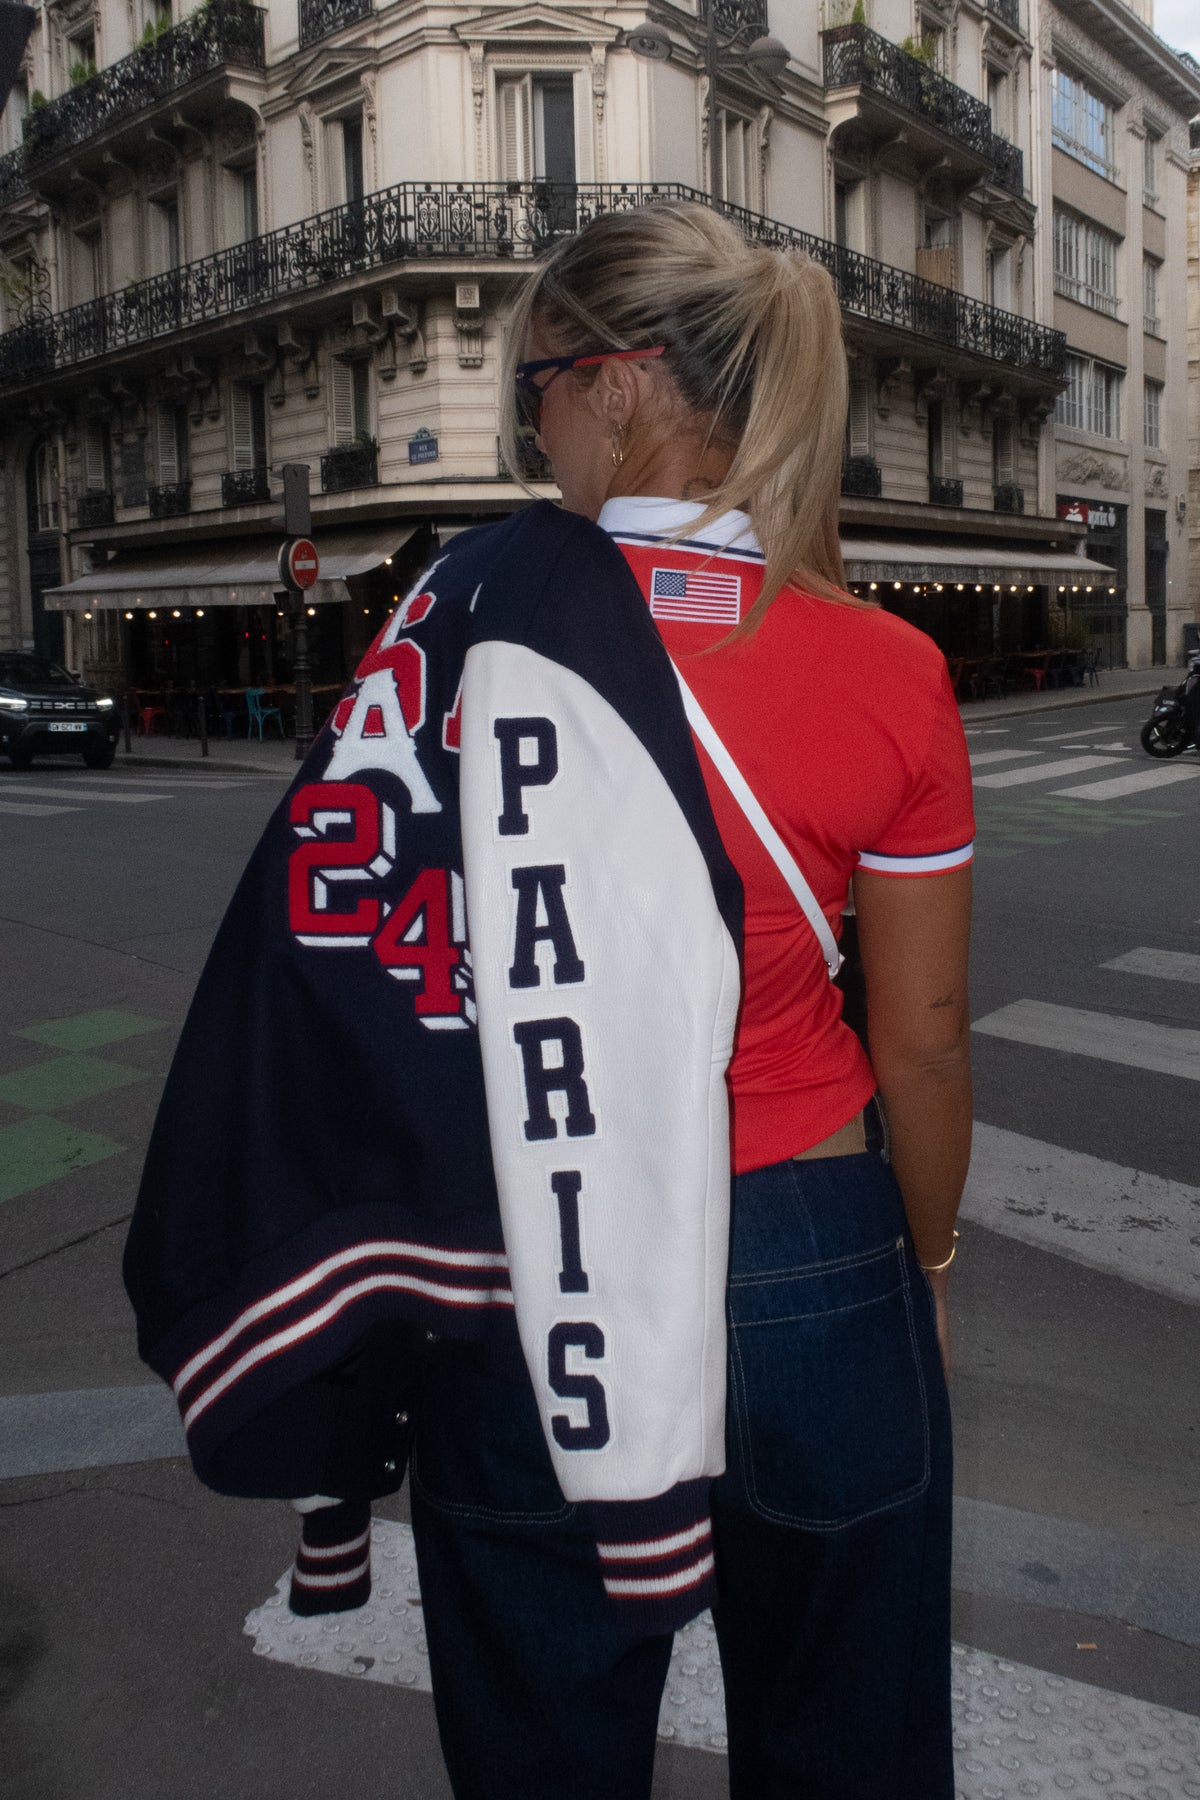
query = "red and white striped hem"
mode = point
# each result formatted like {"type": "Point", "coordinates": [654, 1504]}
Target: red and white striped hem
{"type": "Point", "coordinates": [650, 1587]}
{"type": "Point", "coordinates": [344, 1579]}
{"type": "Point", "coordinates": [878, 864]}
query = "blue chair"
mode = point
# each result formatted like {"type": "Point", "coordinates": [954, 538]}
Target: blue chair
{"type": "Point", "coordinates": [260, 713]}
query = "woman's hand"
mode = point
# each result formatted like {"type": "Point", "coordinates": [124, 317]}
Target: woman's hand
{"type": "Point", "coordinates": [939, 1281]}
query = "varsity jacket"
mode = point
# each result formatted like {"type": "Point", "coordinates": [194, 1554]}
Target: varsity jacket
{"type": "Point", "coordinates": [459, 1052]}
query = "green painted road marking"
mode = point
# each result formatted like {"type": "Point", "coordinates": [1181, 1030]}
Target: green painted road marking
{"type": "Point", "coordinates": [47, 1086]}
{"type": "Point", "coordinates": [39, 1150]}
{"type": "Point", "coordinates": [88, 1031]}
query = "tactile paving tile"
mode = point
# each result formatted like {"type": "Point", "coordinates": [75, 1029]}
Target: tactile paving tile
{"type": "Point", "coordinates": [1019, 1734]}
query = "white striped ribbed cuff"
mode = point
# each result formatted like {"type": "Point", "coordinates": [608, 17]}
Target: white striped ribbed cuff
{"type": "Point", "coordinates": [347, 1576]}
{"type": "Point", "coordinates": [879, 864]}
{"type": "Point", "coordinates": [647, 1587]}
{"type": "Point", "coordinates": [653, 1547]}
{"type": "Point", "coordinates": [347, 1549]}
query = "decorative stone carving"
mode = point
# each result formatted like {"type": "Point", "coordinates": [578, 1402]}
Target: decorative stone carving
{"type": "Point", "coordinates": [308, 142]}
{"type": "Point", "coordinates": [766, 115]}
{"type": "Point", "coordinates": [368, 80]}
{"type": "Point", "coordinates": [1156, 481]}
{"type": "Point", "coordinates": [477, 95]}
{"type": "Point", "coordinates": [1087, 468]}
{"type": "Point", "coordinates": [889, 372]}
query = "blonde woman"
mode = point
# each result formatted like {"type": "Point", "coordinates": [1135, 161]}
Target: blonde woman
{"type": "Point", "coordinates": [690, 394]}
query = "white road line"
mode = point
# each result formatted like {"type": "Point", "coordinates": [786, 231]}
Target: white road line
{"type": "Point", "coordinates": [34, 812]}
{"type": "Point", "coordinates": [1164, 965]}
{"type": "Point", "coordinates": [1166, 1049]}
{"type": "Point", "coordinates": [987, 731]}
{"type": "Point", "coordinates": [55, 793]}
{"type": "Point", "coordinates": [1059, 737]}
{"type": "Point", "coordinates": [179, 785]}
{"type": "Point", "coordinates": [1073, 765]}
{"type": "Point", "coordinates": [1137, 783]}
{"type": "Point", "coordinates": [998, 756]}
{"type": "Point", "coordinates": [1122, 1220]}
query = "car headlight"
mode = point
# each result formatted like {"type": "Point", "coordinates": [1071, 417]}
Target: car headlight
{"type": "Point", "coordinates": [105, 704]}
{"type": "Point", "coordinates": [12, 704]}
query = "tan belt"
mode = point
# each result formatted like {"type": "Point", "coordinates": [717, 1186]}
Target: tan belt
{"type": "Point", "coordinates": [851, 1140]}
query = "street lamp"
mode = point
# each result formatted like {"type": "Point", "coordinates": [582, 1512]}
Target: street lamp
{"type": "Point", "coordinates": [734, 19]}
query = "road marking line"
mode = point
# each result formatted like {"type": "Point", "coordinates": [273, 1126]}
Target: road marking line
{"type": "Point", "coordinates": [34, 812]}
{"type": "Point", "coordinates": [1129, 1223]}
{"type": "Point", "coordinates": [999, 756]}
{"type": "Point", "coordinates": [1166, 1049]}
{"type": "Point", "coordinates": [1137, 783]}
{"type": "Point", "coordinates": [1098, 730]}
{"type": "Point", "coordinates": [143, 782]}
{"type": "Point", "coordinates": [1073, 765]}
{"type": "Point", "coordinates": [56, 793]}
{"type": "Point", "coordinates": [987, 731]}
{"type": "Point", "coordinates": [1164, 965]}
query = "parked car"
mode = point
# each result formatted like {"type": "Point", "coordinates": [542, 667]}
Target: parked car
{"type": "Point", "coordinates": [45, 710]}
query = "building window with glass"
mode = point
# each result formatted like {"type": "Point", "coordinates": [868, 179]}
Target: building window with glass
{"type": "Point", "coordinates": [1150, 148]}
{"type": "Point", "coordinates": [1091, 400]}
{"type": "Point", "coordinates": [1082, 123]}
{"type": "Point", "coordinates": [1153, 415]}
{"type": "Point", "coordinates": [1150, 318]}
{"type": "Point", "coordinates": [1085, 262]}
{"type": "Point", "coordinates": [536, 116]}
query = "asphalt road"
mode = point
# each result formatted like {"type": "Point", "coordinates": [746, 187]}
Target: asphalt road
{"type": "Point", "coordinates": [125, 1673]}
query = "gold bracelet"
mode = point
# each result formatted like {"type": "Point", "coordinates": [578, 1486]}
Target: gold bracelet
{"type": "Point", "coordinates": [937, 1268]}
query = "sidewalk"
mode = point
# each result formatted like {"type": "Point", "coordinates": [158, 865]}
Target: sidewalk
{"type": "Point", "coordinates": [247, 756]}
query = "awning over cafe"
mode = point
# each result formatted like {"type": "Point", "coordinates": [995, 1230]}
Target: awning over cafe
{"type": "Point", "coordinates": [230, 573]}
{"type": "Point", "coordinates": [1009, 565]}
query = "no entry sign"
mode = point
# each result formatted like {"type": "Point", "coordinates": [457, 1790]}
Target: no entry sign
{"type": "Point", "coordinates": [299, 564]}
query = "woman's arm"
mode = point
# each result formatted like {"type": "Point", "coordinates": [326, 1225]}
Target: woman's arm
{"type": "Point", "coordinates": [913, 935]}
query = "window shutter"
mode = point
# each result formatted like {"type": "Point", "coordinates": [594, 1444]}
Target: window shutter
{"type": "Point", "coordinates": [513, 98]}
{"type": "Point", "coordinates": [168, 453]}
{"type": "Point", "coordinates": [243, 428]}
{"type": "Point", "coordinates": [858, 422]}
{"type": "Point", "coordinates": [343, 402]}
{"type": "Point", "coordinates": [94, 459]}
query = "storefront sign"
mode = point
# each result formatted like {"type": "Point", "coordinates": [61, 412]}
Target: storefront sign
{"type": "Point", "coordinates": [1087, 512]}
{"type": "Point", "coordinates": [422, 447]}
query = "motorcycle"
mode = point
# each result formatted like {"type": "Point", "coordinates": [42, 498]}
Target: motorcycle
{"type": "Point", "coordinates": [1175, 721]}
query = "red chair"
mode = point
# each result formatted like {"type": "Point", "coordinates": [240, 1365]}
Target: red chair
{"type": "Point", "coordinates": [146, 711]}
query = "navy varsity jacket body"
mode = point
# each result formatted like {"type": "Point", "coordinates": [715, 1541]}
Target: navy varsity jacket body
{"type": "Point", "coordinates": [459, 1052]}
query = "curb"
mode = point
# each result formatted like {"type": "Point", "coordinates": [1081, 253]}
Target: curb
{"type": "Point", "coordinates": [207, 765]}
{"type": "Point", "coordinates": [973, 709]}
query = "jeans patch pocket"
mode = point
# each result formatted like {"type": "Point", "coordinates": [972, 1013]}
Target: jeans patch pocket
{"type": "Point", "coordinates": [479, 1450]}
{"type": "Point", "coordinates": [829, 1422]}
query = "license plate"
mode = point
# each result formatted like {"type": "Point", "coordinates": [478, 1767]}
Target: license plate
{"type": "Point", "coordinates": [62, 725]}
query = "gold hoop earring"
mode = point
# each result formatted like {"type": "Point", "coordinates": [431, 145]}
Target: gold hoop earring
{"type": "Point", "coordinates": [618, 445]}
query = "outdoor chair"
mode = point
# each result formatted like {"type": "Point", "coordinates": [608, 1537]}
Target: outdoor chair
{"type": "Point", "coordinates": [146, 711]}
{"type": "Point", "coordinates": [259, 713]}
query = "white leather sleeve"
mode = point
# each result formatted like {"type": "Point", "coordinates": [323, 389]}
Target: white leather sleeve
{"type": "Point", "coordinates": [642, 1138]}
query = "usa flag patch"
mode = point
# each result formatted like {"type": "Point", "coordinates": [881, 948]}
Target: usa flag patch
{"type": "Point", "coordinates": [696, 597]}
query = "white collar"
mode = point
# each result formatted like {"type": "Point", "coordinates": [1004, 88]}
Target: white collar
{"type": "Point", "coordinates": [644, 515]}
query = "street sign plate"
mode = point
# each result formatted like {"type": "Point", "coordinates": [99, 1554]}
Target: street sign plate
{"type": "Point", "coordinates": [302, 563]}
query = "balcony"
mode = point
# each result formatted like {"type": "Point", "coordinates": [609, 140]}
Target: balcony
{"type": "Point", "coordinates": [14, 182]}
{"type": "Point", "coordinates": [895, 90]}
{"type": "Point", "coordinates": [1008, 498]}
{"type": "Point", "coordinates": [96, 507]}
{"type": "Point", "coordinates": [349, 466]}
{"type": "Point", "coordinates": [748, 18]}
{"type": "Point", "coordinates": [245, 487]}
{"type": "Point", "coordinates": [1007, 11]}
{"type": "Point", "coordinates": [171, 501]}
{"type": "Point", "coordinates": [321, 18]}
{"type": "Point", "coordinates": [861, 478]}
{"type": "Point", "coordinates": [220, 34]}
{"type": "Point", "coordinates": [420, 223]}
{"type": "Point", "coordinates": [1008, 166]}
{"type": "Point", "coordinates": [944, 491]}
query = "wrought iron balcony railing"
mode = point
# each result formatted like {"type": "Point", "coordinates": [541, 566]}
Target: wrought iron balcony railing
{"type": "Point", "coordinates": [1007, 10]}
{"type": "Point", "coordinates": [1008, 165]}
{"type": "Point", "coordinates": [457, 221]}
{"type": "Point", "coordinates": [349, 466]}
{"type": "Point", "coordinates": [321, 18]}
{"type": "Point", "coordinates": [1008, 498]}
{"type": "Point", "coordinates": [861, 478]}
{"type": "Point", "coordinates": [945, 491]}
{"type": "Point", "coordinates": [173, 500]}
{"type": "Point", "coordinates": [217, 33]}
{"type": "Point", "coordinates": [14, 182]}
{"type": "Point", "coordinates": [96, 507]}
{"type": "Point", "coordinates": [856, 56]}
{"type": "Point", "coordinates": [736, 19]}
{"type": "Point", "coordinates": [532, 465]}
{"type": "Point", "coordinates": [246, 487]}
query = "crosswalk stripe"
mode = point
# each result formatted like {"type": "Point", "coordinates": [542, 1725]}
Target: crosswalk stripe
{"type": "Point", "coordinates": [1125, 1221]}
{"type": "Point", "coordinates": [1136, 783]}
{"type": "Point", "coordinates": [34, 811]}
{"type": "Point", "coordinates": [56, 793]}
{"type": "Point", "coordinates": [68, 778]}
{"type": "Point", "coordinates": [1166, 1049]}
{"type": "Point", "coordinates": [987, 757]}
{"type": "Point", "coordinates": [1072, 765]}
{"type": "Point", "coordinates": [1099, 727]}
{"type": "Point", "coordinates": [1164, 965]}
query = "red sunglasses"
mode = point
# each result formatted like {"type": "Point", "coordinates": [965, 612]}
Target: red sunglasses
{"type": "Point", "coordinates": [531, 393]}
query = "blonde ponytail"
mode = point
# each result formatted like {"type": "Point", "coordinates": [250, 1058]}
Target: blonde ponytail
{"type": "Point", "coordinates": [754, 348]}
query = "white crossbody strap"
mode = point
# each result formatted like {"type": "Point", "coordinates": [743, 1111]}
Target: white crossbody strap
{"type": "Point", "coordinates": [772, 843]}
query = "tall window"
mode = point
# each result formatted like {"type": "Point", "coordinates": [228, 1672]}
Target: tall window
{"type": "Point", "coordinates": [1085, 262]}
{"type": "Point", "coordinates": [537, 128]}
{"type": "Point", "coordinates": [352, 157]}
{"type": "Point", "coordinates": [248, 195]}
{"type": "Point", "coordinates": [14, 113]}
{"type": "Point", "coordinates": [858, 417]}
{"type": "Point", "coordinates": [935, 440]}
{"type": "Point", "coordinates": [351, 400]}
{"type": "Point", "coordinates": [1091, 400]}
{"type": "Point", "coordinates": [97, 457]}
{"type": "Point", "coordinates": [998, 101]}
{"type": "Point", "coordinates": [45, 487]}
{"type": "Point", "coordinates": [1150, 151]}
{"type": "Point", "coordinates": [1004, 462]}
{"type": "Point", "coordinates": [736, 143]}
{"type": "Point", "coordinates": [1153, 415]}
{"type": "Point", "coordinates": [999, 277]}
{"type": "Point", "coordinates": [173, 444]}
{"type": "Point", "coordinates": [164, 235]}
{"type": "Point", "coordinates": [249, 421]}
{"type": "Point", "coordinates": [1082, 123]}
{"type": "Point", "coordinates": [87, 276]}
{"type": "Point", "coordinates": [1150, 316]}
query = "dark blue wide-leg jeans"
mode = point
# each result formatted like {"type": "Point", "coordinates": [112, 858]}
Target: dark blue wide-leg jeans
{"type": "Point", "coordinates": [832, 1526]}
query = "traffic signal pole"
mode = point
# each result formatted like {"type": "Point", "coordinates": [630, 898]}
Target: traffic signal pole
{"type": "Point", "coordinates": [297, 523]}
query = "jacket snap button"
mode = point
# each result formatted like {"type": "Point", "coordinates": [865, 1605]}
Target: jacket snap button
{"type": "Point", "coordinates": [402, 1418]}
{"type": "Point", "coordinates": [389, 1467]}
{"type": "Point", "coordinates": [431, 1337]}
